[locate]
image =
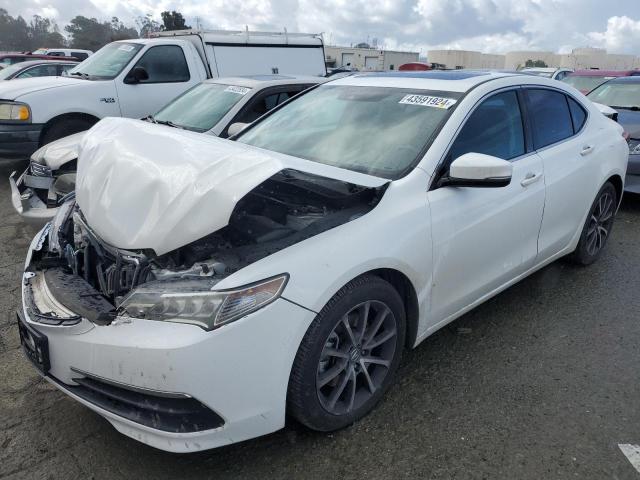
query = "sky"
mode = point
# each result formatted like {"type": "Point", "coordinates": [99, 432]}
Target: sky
{"type": "Point", "coordinates": [490, 26]}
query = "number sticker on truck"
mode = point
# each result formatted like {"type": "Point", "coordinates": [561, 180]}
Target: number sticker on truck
{"type": "Point", "coordinates": [238, 90]}
{"type": "Point", "coordinates": [428, 101]}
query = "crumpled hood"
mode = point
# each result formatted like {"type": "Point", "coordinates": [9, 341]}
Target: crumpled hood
{"type": "Point", "coordinates": [59, 152]}
{"type": "Point", "coordinates": [146, 186]}
{"type": "Point", "coordinates": [14, 89]}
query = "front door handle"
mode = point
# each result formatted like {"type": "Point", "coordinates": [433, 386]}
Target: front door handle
{"type": "Point", "coordinates": [586, 150]}
{"type": "Point", "coordinates": [530, 178]}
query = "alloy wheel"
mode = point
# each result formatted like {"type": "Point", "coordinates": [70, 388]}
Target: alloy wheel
{"type": "Point", "coordinates": [600, 223]}
{"type": "Point", "coordinates": [356, 357]}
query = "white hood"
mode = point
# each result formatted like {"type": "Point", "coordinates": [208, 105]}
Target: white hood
{"type": "Point", "coordinates": [59, 152]}
{"type": "Point", "coordinates": [146, 186]}
{"type": "Point", "coordinates": [14, 89]}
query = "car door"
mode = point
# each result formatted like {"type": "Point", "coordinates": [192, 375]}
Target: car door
{"type": "Point", "coordinates": [559, 137]}
{"type": "Point", "coordinates": [169, 76]}
{"type": "Point", "coordinates": [485, 237]}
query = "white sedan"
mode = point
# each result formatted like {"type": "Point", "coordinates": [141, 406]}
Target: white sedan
{"type": "Point", "coordinates": [197, 290]}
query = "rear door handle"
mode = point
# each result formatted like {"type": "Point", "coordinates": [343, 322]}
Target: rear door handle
{"type": "Point", "coordinates": [586, 150]}
{"type": "Point", "coordinates": [531, 178]}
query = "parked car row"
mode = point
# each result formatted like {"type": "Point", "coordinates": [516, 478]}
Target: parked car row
{"type": "Point", "coordinates": [195, 289]}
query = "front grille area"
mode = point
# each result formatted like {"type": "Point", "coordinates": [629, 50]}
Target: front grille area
{"type": "Point", "coordinates": [176, 414]}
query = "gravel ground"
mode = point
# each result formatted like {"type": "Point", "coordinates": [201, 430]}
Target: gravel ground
{"type": "Point", "coordinates": [542, 382]}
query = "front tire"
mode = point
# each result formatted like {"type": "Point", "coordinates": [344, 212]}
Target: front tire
{"type": "Point", "coordinates": [349, 355]}
{"type": "Point", "coordinates": [64, 128]}
{"type": "Point", "coordinates": [597, 227]}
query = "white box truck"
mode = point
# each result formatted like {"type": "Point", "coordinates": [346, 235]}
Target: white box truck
{"type": "Point", "coordinates": [134, 78]}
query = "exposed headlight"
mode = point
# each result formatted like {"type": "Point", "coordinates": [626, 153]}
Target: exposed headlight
{"type": "Point", "coordinates": [187, 302]}
{"type": "Point", "coordinates": [15, 112]}
{"type": "Point", "coordinates": [634, 147]}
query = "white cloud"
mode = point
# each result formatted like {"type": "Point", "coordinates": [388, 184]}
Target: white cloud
{"type": "Point", "coordinates": [622, 35]}
{"type": "Point", "coordinates": [492, 26]}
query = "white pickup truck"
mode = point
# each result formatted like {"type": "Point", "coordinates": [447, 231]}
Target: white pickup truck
{"type": "Point", "coordinates": [134, 78]}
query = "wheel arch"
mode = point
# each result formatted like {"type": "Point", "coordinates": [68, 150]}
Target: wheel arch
{"type": "Point", "coordinates": [91, 119]}
{"type": "Point", "coordinates": [407, 292]}
{"type": "Point", "coordinates": [618, 184]}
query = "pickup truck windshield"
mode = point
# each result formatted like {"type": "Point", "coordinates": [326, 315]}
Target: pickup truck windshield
{"type": "Point", "coordinates": [374, 130]}
{"type": "Point", "coordinates": [108, 62]}
{"type": "Point", "coordinates": [202, 107]}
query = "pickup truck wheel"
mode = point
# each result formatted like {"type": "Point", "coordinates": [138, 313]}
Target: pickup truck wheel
{"type": "Point", "coordinates": [65, 127]}
{"type": "Point", "coordinates": [349, 355]}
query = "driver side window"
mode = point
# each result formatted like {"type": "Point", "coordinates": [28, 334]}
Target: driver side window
{"type": "Point", "coordinates": [494, 128]}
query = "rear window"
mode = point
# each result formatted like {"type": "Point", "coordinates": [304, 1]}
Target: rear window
{"type": "Point", "coordinates": [578, 114]}
{"type": "Point", "coordinates": [550, 117]}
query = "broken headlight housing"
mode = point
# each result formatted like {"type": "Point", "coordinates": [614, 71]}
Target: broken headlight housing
{"type": "Point", "coordinates": [187, 302]}
{"type": "Point", "coordinates": [634, 146]}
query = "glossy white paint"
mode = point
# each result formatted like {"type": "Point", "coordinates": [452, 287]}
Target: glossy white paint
{"type": "Point", "coordinates": [457, 246]}
{"type": "Point", "coordinates": [59, 152]}
{"type": "Point", "coordinates": [476, 166]}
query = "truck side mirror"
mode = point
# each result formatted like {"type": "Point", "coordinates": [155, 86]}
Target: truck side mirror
{"type": "Point", "coordinates": [137, 75]}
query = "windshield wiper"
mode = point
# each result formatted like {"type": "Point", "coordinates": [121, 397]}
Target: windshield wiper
{"type": "Point", "coordinates": [86, 76]}
{"type": "Point", "coordinates": [168, 123]}
{"type": "Point", "coordinates": [633, 108]}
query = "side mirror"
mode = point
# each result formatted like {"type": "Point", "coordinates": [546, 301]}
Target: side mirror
{"type": "Point", "coordinates": [137, 75]}
{"type": "Point", "coordinates": [478, 170]}
{"type": "Point", "coordinates": [236, 128]}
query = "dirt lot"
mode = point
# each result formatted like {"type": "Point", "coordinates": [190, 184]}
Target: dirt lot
{"type": "Point", "coordinates": [542, 382]}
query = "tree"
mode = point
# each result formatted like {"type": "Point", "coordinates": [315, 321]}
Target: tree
{"type": "Point", "coordinates": [43, 32]}
{"type": "Point", "coordinates": [535, 63]}
{"type": "Point", "coordinates": [89, 33]}
{"type": "Point", "coordinates": [14, 32]}
{"type": "Point", "coordinates": [147, 25]}
{"type": "Point", "coordinates": [173, 21]}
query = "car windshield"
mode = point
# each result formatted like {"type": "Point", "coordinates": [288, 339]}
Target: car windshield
{"type": "Point", "coordinates": [10, 71]}
{"type": "Point", "coordinates": [40, 51]}
{"type": "Point", "coordinates": [202, 107]}
{"type": "Point", "coordinates": [616, 94]}
{"type": "Point", "coordinates": [585, 84]}
{"type": "Point", "coordinates": [374, 130]}
{"type": "Point", "coordinates": [107, 62]}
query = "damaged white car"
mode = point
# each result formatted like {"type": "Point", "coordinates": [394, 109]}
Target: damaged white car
{"type": "Point", "coordinates": [197, 290]}
{"type": "Point", "coordinates": [219, 107]}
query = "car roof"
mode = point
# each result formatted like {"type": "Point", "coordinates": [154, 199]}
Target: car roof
{"type": "Point", "coordinates": [44, 61]}
{"type": "Point", "coordinates": [604, 73]}
{"type": "Point", "coordinates": [439, 80]}
{"type": "Point", "coordinates": [539, 69]}
{"type": "Point", "coordinates": [262, 81]}
{"type": "Point", "coordinates": [628, 79]}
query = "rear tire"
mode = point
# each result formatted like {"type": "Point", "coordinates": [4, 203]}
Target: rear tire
{"type": "Point", "coordinates": [341, 372]}
{"type": "Point", "coordinates": [64, 128]}
{"type": "Point", "coordinates": [597, 227]}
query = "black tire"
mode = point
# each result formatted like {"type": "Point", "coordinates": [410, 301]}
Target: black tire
{"type": "Point", "coordinates": [65, 127]}
{"type": "Point", "coordinates": [597, 227]}
{"type": "Point", "coordinates": [367, 297]}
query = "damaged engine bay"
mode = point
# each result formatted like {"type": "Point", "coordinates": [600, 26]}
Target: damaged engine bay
{"type": "Point", "coordinates": [91, 278]}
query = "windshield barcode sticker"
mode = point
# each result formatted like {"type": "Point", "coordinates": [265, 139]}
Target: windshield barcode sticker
{"type": "Point", "coordinates": [238, 90]}
{"type": "Point", "coordinates": [428, 101]}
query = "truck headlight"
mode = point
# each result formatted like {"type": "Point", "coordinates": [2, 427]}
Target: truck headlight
{"type": "Point", "coordinates": [15, 112]}
{"type": "Point", "coordinates": [186, 302]}
{"type": "Point", "coordinates": [634, 147]}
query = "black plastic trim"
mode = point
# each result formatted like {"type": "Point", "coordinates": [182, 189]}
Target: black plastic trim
{"type": "Point", "coordinates": [175, 415]}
